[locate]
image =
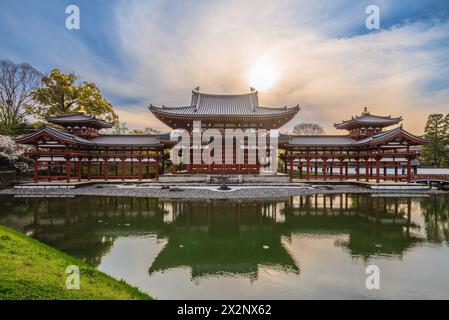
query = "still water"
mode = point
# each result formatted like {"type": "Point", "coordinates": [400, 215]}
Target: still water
{"type": "Point", "coordinates": [299, 247]}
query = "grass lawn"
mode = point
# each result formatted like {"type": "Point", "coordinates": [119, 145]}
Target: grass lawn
{"type": "Point", "coordinates": [32, 270]}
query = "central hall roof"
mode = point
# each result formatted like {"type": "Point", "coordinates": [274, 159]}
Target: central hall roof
{"type": "Point", "coordinates": [205, 104]}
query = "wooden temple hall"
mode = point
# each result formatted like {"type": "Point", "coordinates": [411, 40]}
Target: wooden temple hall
{"type": "Point", "coordinates": [73, 147]}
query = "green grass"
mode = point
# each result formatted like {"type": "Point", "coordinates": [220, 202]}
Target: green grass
{"type": "Point", "coordinates": [32, 270]}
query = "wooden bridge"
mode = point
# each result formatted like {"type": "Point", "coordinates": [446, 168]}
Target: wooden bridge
{"type": "Point", "coordinates": [442, 181]}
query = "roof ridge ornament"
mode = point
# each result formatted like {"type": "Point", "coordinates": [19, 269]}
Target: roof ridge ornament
{"type": "Point", "coordinates": [82, 109]}
{"type": "Point", "coordinates": [196, 89]}
{"type": "Point", "coordinates": [251, 102]}
{"type": "Point", "coordinates": [365, 112]}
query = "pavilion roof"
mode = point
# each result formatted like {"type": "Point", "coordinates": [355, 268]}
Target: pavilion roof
{"type": "Point", "coordinates": [322, 140]}
{"type": "Point", "coordinates": [127, 140]}
{"type": "Point", "coordinates": [390, 134]}
{"type": "Point", "coordinates": [100, 141]}
{"type": "Point", "coordinates": [346, 141]}
{"type": "Point", "coordinates": [205, 104]}
{"type": "Point", "coordinates": [79, 118]}
{"type": "Point", "coordinates": [55, 133]}
{"type": "Point", "coordinates": [368, 120]}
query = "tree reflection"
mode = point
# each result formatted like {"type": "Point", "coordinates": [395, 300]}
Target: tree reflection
{"type": "Point", "coordinates": [436, 216]}
{"type": "Point", "coordinates": [228, 237]}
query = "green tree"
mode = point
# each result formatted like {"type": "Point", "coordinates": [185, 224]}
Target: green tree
{"type": "Point", "coordinates": [437, 133]}
{"type": "Point", "coordinates": [17, 82]}
{"type": "Point", "coordinates": [60, 94]}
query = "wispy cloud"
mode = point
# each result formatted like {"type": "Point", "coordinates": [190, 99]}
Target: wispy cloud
{"type": "Point", "coordinates": [326, 60]}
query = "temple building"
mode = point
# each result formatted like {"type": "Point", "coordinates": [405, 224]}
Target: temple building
{"type": "Point", "coordinates": [238, 111]}
{"type": "Point", "coordinates": [72, 147]}
{"type": "Point", "coordinates": [367, 151]}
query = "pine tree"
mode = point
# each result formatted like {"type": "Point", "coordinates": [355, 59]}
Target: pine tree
{"type": "Point", "coordinates": [437, 133]}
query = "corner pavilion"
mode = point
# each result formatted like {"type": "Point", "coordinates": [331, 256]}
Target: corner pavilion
{"type": "Point", "coordinates": [72, 147]}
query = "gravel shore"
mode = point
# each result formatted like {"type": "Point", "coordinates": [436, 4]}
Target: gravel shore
{"type": "Point", "coordinates": [206, 191]}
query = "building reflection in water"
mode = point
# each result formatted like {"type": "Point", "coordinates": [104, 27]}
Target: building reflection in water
{"type": "Point", "coordinates": [227, 237]}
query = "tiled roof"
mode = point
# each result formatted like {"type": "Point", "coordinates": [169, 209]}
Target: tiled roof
{"type": "Point", "coordinates": [79, 118]}
{"type": "Point", "coordinates": [56, 133]}
{"type": "Point", "coordinates": [385, 135]}
{"type": "Point", "coordinates": [346, 141]}
{"type": "Point", "coordinates": [368, 120]}
{"type": "Point", "coordinates": [324, 140]}
{"type": "Point", "coordinates": [102, 140]}
{"type": "Point", "coordinates": [126, 140]}
{"type": "Point", "coordinates": [203, 104]}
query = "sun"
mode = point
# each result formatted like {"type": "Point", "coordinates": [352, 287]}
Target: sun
{"type": "Point", "coordinates": [262, 76]}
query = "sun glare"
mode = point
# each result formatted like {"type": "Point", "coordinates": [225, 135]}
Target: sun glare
{"type": "Point", "coordinates": [262, 76]}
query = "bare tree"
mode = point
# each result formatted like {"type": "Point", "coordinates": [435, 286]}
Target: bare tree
{"type": "Point", "coordinates": [119, 128]}
{"type": "Point", "coordinates": [17, 82]}
{"type": "Point", "coordinates": [308, 129]}
{"type": "Point", "coordinates": [146, 130]}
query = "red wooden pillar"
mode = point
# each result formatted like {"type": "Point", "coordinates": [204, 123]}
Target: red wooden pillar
{"type": "Point", "coordinates": [140, 169]}
{"type": "Point", "coordinates": [189, 165]}
{"type": "Point", "coordinates": [357, 169]}
{"type": "Point", "coordinates": [175, 168]}
{"type": "Point", "coordinates": [395, 171]}
{"type": "Point", "coordinates": [409, 170]}
{"type": "Point", "coordinates": [80, 168]}
{"type": "Point", "coordinates": [300, 168]}
{"type": "Point", "coordinates": [291, 167]}
{"type": "Point", "coordinates": [49, 170]}
{"type": "Point", "coordinates": [341, 169]}
{"type": "Point", "coordinates": [156, 170]}
{"type": "Point", "coordinates": [324, 169]}
{"type": "Point", "coordinates": [89, 169]}
{"type": "Point", "coordinates": [308, 168]}
{"type": "Point", "coordinates": [106, 168]}
{"type": "Point", "coordinates": [163, 162]}
{"type": "Point", "coordinates": [377, 170]}
{"type": "Point", "coordinates": [67, 169]}
{"type": "Point", "coordinates": [36, 171]}
{"type": "Point", "coordinates": [385, 171]}
{"type": "Point", "coordinates": [331, 168]}
{"type": "Point", "coordinates": [123, 169]}
{"type": "Point", "coordinates": [367, 165]}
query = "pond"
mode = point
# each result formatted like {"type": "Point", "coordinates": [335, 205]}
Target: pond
{"type": "Point", "coordinates": [302, 247]}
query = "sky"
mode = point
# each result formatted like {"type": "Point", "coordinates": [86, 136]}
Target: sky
{"type": "Point", "coordinates": [319, 54]}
